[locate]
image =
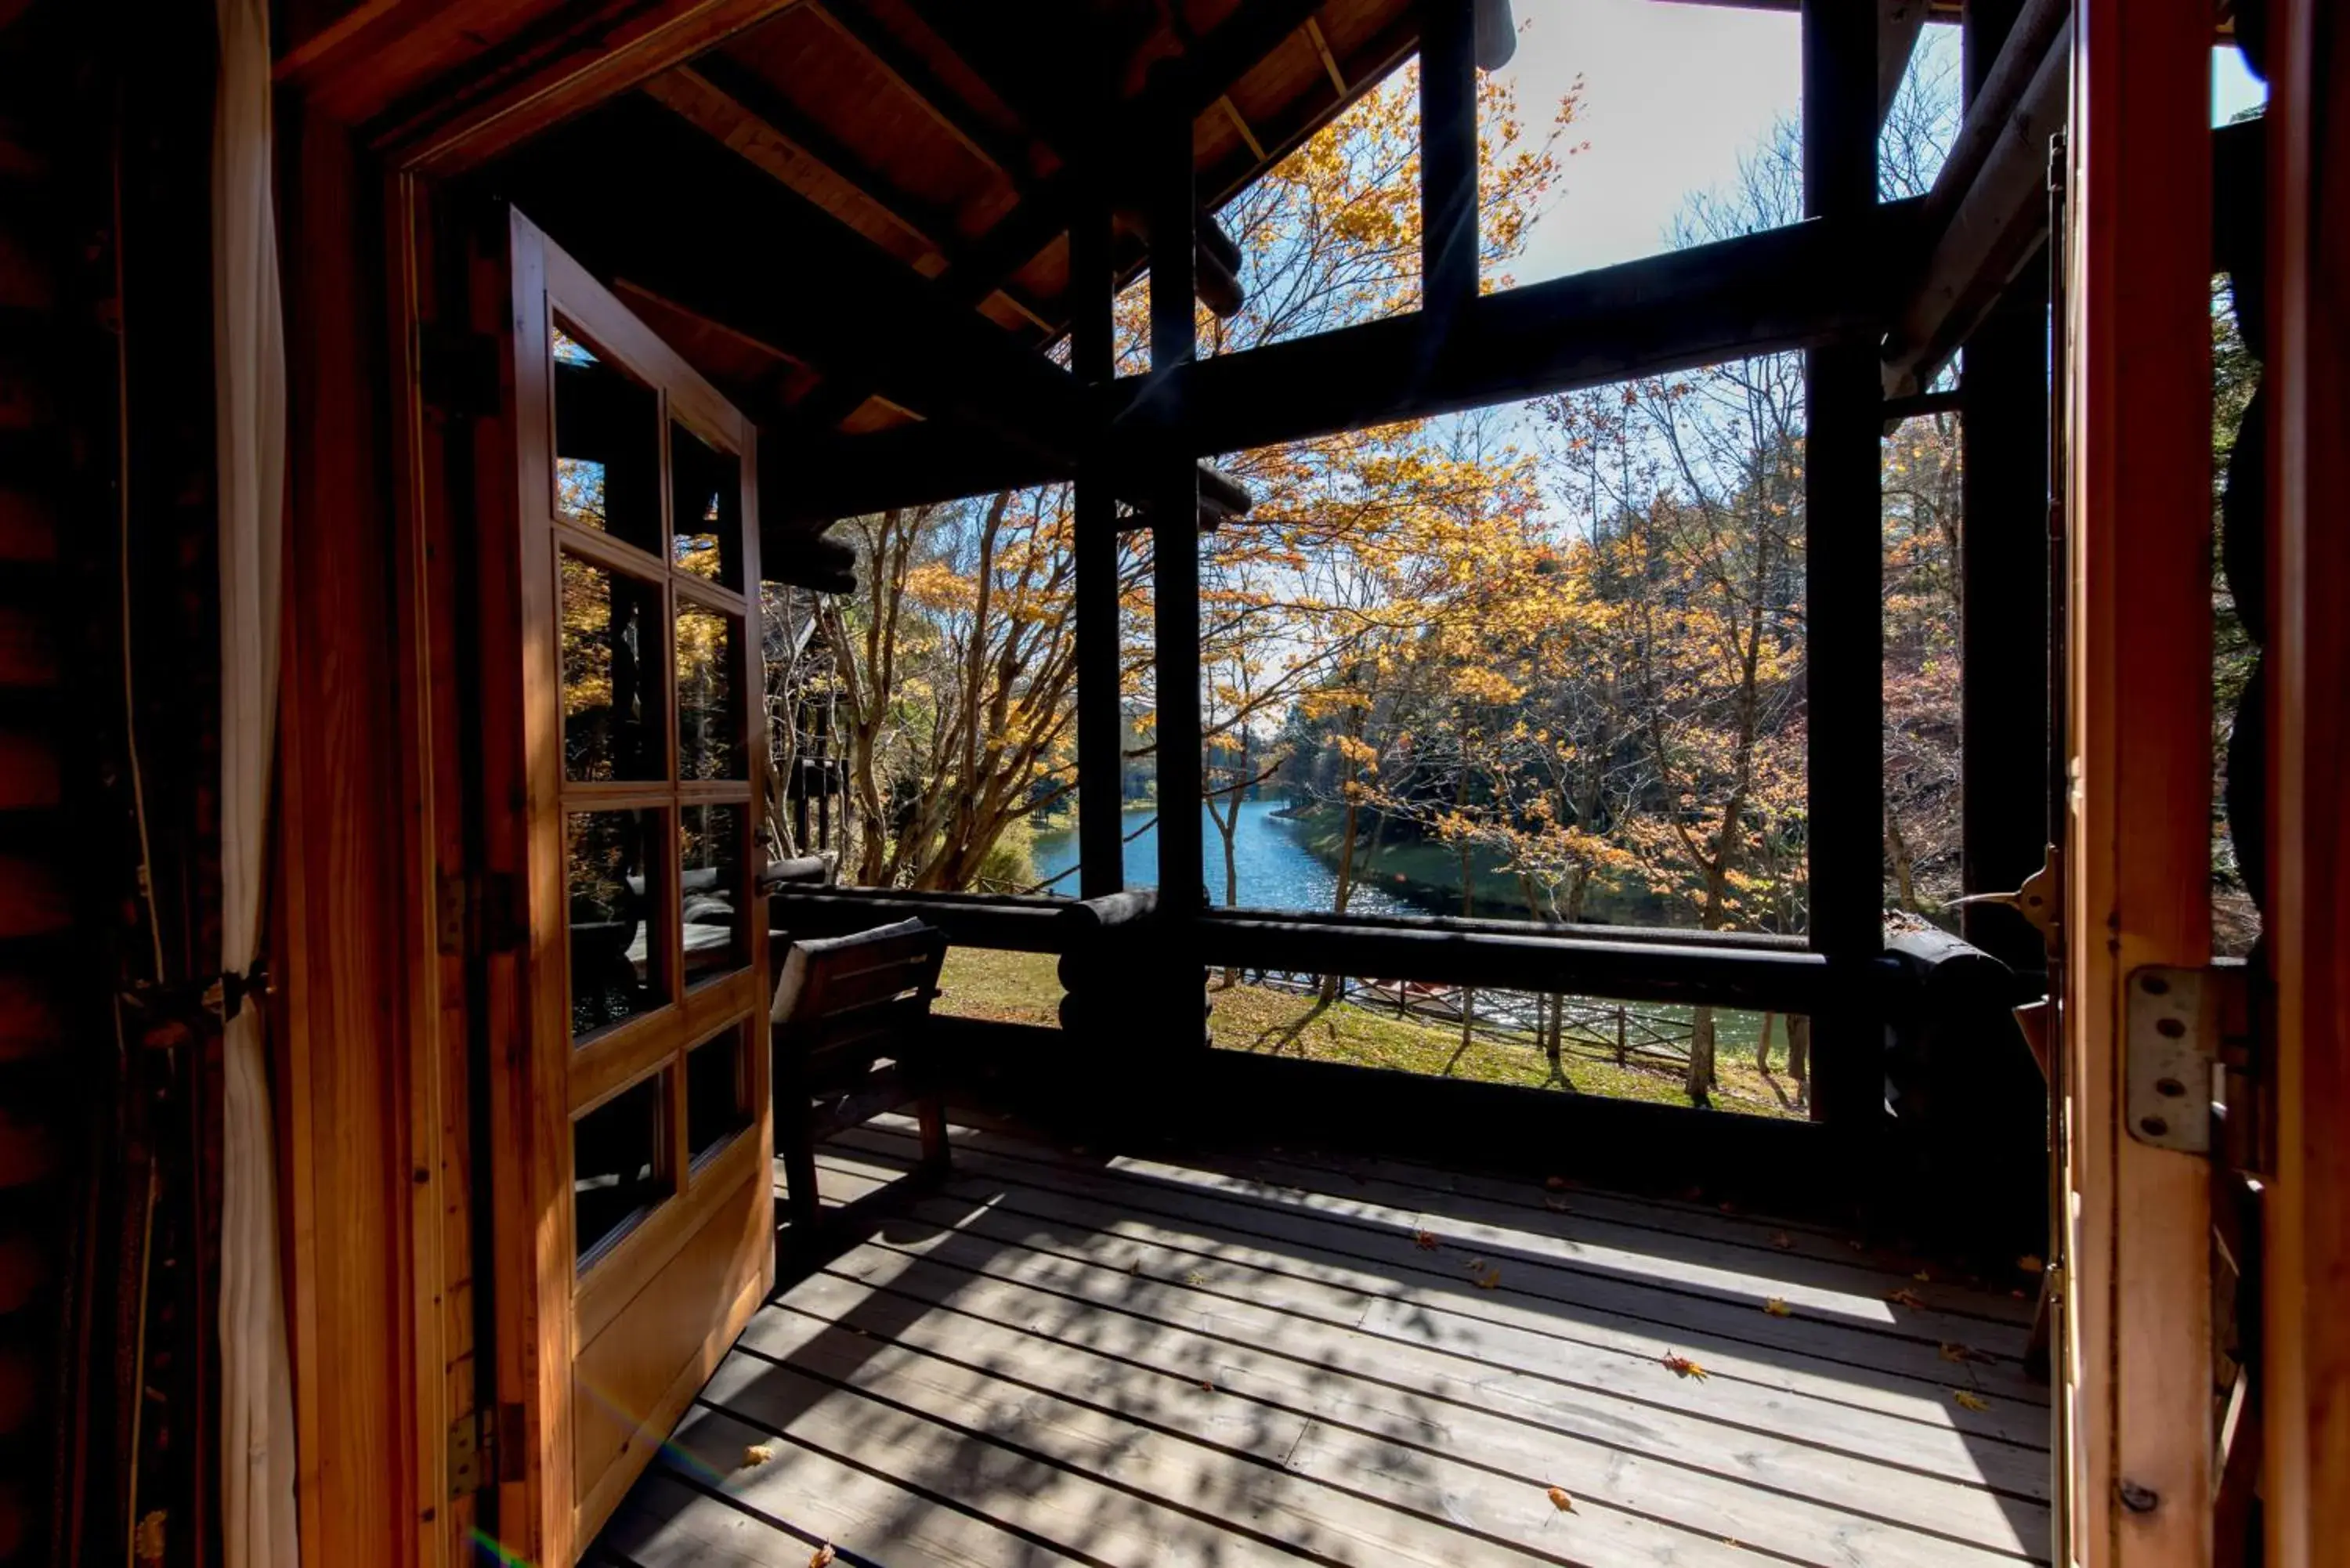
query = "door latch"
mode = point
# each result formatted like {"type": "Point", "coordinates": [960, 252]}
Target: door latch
{"type": "Point", "coordinates": [2036, 900]}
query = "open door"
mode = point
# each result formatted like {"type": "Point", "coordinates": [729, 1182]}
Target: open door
{"type": "Point", "coordinates": [630, 1134]}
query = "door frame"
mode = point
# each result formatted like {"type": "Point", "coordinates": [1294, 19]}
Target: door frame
{"type": "Point", "coordinates": [2134, 1333]}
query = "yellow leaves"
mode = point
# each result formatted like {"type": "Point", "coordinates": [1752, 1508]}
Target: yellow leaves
{"type": "Point", "coordinates": [1777, 1307]}
{"type": "Point", "coordinates": [1968, 1399]}
{"type": "Point", "coordinates": [757, 1454]}
{"type": "Point", "coordinates": [1680, 1365]}
{"type": "Point", "coordinates": [1560, 1500]}
{"type": "Point", "coordinates": [1490, 1279]}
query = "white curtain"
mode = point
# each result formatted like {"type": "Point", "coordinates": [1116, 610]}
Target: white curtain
{"type": "Point", "coordinates": [248, 343]}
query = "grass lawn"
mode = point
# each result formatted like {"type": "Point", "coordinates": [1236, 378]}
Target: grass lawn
{"type": "Point", "coordinates": [1025, 988]}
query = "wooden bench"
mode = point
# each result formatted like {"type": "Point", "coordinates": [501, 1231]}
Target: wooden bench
{"type": "Point", "coordinates": [850, 1034]}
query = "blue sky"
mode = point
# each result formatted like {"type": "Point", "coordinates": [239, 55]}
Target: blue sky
{"type": "Point", "coordinates": [1672, 95]}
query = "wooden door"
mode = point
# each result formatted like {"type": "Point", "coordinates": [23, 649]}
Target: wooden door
{"type": "Point", "coordinates": [624, 774]}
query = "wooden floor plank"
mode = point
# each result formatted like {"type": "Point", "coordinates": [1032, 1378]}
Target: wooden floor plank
{"type": "Point", "coordinates": [1769, 1493]}
{"type": "Point", "coordinates": [1252, 1359]}
{"type": "Point", "coordinates": [1179, 1437]}
{"type": "Point", "coordinates": [1728, 1240]}
{"type": "Point", "coordinates": [1911, 1351]}
{"type": "Point", "coordinates": [1167, 1495]}
{"type": "Point", "coordinates": [1234, 1290]}
{"type": "Point", "coordinates": [1688, 1260]}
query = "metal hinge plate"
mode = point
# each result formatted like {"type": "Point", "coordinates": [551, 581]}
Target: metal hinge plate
{"type": "Point", "coordinates": [469, 1437]}
{"type": "Point", "coordinates": [2179, 1020]}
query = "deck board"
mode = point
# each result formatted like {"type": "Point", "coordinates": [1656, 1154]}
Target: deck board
{"type": "Point", "coordinates": [1051, 1358]}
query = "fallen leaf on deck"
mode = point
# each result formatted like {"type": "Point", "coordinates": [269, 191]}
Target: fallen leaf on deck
{"type": "Point", "coordinates": [1969, 1401]}
{"type": "Point", "coordinates": [2030, 1265]}
{"type": "Point", "coordinates": [1782, 1241]}
{"type": "Point", "coordinates": [1195, 1278]}
{"type": "Point", "coordinates": [1726, 1208]}
{"type": "Point", "coordinates": [1558, 1205]}
{"type": "Point", "coordinates": [1922, 1277]}
{"type": "Point", "coordinates": [1962, 1353]}
{"type": "Point", "coordinates": [823, 1558]}
{"type": "Point", "coordinates": [1473, 1265]}
{"type": "Point", "coordinates": [1905, 1297]}
{"type": "Point", "coordinates": [1777, 1307]}
{"type": "Point", "coordinates": [1426, 1242]}
{"type": "Point", "coordinates": [757, 1454]}
{"type": "Point", "coordinates": [1555, 1183]}
{"type": "Point", "coordinates": [1560, 1500]}
{"type": "Point", "coordinates": [1490, 1279]}
{"type": "Point", "coordinates": [1682, 1366]}
{"type": "Point", "coordinates": [1209, 1388]}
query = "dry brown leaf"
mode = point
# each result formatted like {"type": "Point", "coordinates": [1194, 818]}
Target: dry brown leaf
{"type": "Point", "coordinates": [2030, 1265]}
{"type": "Point", "coordinates": [1490, 1279]}
{"type": "Point", "coordinates": [823, 1558]}
{"type": "Point", "coordinates": [1426, 1242]}
{"type": "Point", "coordinates": [1969, 1400]}
{"type": "Point", "coordinates": [1555, 1183]}
{"type": "Point", "coordinates": [1782, 1241]}
{"type": "Point", "coordinates": [1962, 1353]}
{"type": "Point", "coordinates": [1777, 1307]}
{"type": "Point", "coordinates": [758, 1454]}
{"type": "Point", "coordinates": [1680, 1365]}
{"type": "Point", "coordinates": [1905, 1297]}
{"type": "Point", "coordinates": [1560, 1500]}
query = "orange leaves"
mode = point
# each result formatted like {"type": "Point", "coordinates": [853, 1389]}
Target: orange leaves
{"type": "Point", "coordinates": [823, 1557]}
{"type": "Point", "coordinates": [757, 1454]}
{"type": "Point", "coordinates": [1905, 1297]}
{"type": "Point", "coordinates": [1777, 1307]}
{"type": "Point", "coordinates": [1560, 1500]}
{"type": "Point", "coordinates": [1426, 1240]}
{"type": "Point", "coordinates": [1680, 1365]}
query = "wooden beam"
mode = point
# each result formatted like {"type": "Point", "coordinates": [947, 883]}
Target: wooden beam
{"type": "Point", "coordinates": [1899, 24]}
{"type": "Point", "coordinates": [1241, 124]}
{"type": "Point", "coordinates": [1447, 161]}
{"type": "Point", "coordinates": [2136, 1399]}
{"type": "Point", "coordinates": [1781, 290]}
{"type": "Point", "coordinates": [2003, 553]}
{"type": "Point", "coordinates": [1329, 61]}
{"type": "Point", "coordinates": [918, 82]}
{"type": "Point", "coordinates": [444, 88]}
{"type": "Point", "coordinates": [619, 192]}
{"type": "Point", "coordinates": [1843, 566]}
{"type": "Point", "coordinates": [1987, 207]}
{"type": "Point", "coordinates": [1101, 763]}
{"type": "Point", "coordinates": [824, 171]}
{"type": "Point", "coordinates": [1173, 489]}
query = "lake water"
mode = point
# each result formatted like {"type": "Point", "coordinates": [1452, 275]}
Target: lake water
{"type": "Point", "coordinates": [1276, 869]}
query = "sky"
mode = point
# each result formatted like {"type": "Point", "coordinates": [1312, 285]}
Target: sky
{"type": "Point", "coordinates": [1672, 95]}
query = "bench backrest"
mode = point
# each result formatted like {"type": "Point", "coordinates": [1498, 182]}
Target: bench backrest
{"type": "Point", "coordinates": [842, 1002]}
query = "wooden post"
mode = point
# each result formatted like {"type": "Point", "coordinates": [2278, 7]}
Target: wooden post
{"type": "Point", "coordinates": [1448, 158]}
{"type": "Point", "coordinates": [1174, 491]}
{"type": "Point", "coordinates": [2002, 572]}
{"type": "Point", "coordinates": [1844, 568]}
{"type": "Point", "coordinates": [2136, 1395]}
{"type": "Point", "coordinates": [1101, 851]}
{"type": "Point", "coordinates": [2306, 1487]}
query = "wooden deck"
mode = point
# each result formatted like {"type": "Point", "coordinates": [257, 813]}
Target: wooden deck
{"type": "Point", "coordinates": [1063, 1360]}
